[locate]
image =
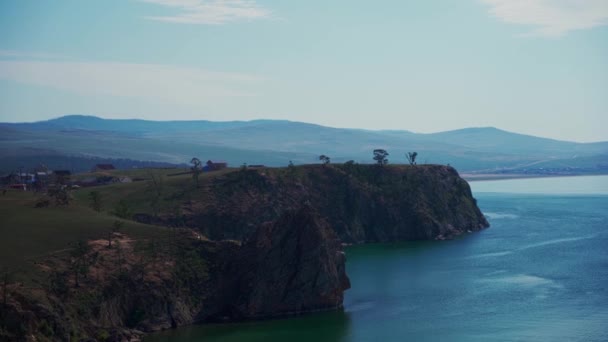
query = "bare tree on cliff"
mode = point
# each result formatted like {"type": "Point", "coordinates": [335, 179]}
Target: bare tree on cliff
{"type": "Point", "coordinates": [80, 264]}
{"type": "Point", "coordinates": [324, 159]}
{"type": "Point", "coordinates": [411, 157]}
{"type": "Point", "coordinates": [96, 202]}
{"type": "Point", "coordinates": [380, 156]}
{"type": "Point", "coordinates": [197, 168]}
{"type": "Point", "coordinates": [116, 226]}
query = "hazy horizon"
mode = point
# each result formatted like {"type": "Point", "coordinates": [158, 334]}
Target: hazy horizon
{"type": "Point", "coordinates": [532, 67]}
{"type": "Point", "coordinates": [294, 121]}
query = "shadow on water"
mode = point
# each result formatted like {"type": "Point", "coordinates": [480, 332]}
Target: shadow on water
{"type": "Point", "coordinates": [327, 326]}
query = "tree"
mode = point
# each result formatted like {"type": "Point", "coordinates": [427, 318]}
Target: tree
{"type": "Point", "coordinates": [123, 210]}
{"type": "Point", "coordinates": [411, 157]}
{"type": "Point", "coordinates": [80, 264]}
{"type": "Point", "coordinates": [96, 201]}
{"type": "Point", "coordinates": [61, 195]}
{"type": "Point", "coordinates": [324, 159]}
{"type": "Point", "coordinates": [380, 156]}
{"type": "Point", "coordinates": [156, 184]}
{"type": "Point", "coordinates": [116, 227]}
{"type": "Point", "coordinates": [197, 168]}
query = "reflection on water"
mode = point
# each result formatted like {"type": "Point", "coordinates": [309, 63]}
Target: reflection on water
{"type": "Point", "coordinates": [328, 326]}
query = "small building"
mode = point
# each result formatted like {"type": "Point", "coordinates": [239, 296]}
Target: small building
{"type": "Point", "coordinates": [88, 181]}
{"type": "Point", "coordinates": [103, 167]}
{"type": "Point", "coordinates": [26, 177]}
{"type": "Point", "coordinates": [43, 175]}
{"type": "Point", "coordinates": [62, 176]}
{"type": "Point", "coordinates": [215, 165]}
{"type": "Point", "coordinates": [18, 186]}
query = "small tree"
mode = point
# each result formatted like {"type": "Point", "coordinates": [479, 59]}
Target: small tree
{"type": "Point", "coordinates": [96, 201]}
{"type": "Point", "coordinates": [61, 195]}
{"type": "Point", "coordinates": [324, 159]}
{"type": "Point", "coordinates": [116, 227]}
{"type": "Point", "coordinates": [7, 277]}
{"type": "Point", "coordinates": [197, 168]}
{"type": "Point", "coordinates": [80, 263]}
{"type": "Point", "coordinates": [380, 156]}
{"type": "Point", "coordinates": [411, 157]}
{"type": "Point", "coordinates": [156, 184]}
{"type": "Point", "coordinates": [123, 210]}
{"type": "Point", "coordinates": [57, 284]}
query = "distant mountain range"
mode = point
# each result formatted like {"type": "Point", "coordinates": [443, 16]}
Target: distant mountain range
{"type": "Point", "coordinates": [276, 142]}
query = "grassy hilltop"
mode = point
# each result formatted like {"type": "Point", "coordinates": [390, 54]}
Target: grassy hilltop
{"type": "Point", "coordinates": [28, 232]}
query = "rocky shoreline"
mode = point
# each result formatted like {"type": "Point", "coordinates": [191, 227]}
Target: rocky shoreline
{"type": "Point", "coordinates": [270, 245]}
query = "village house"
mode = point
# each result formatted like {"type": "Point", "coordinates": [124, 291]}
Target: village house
{"type": "Point", "coordinates": [103, 167]}
{"type": "Point", "coordinates": [215, 165]}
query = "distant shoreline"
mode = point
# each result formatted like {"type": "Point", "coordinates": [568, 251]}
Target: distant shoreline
{"type": "Point", "coordinates": [493, 176]}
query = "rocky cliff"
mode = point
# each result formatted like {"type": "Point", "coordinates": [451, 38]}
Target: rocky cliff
{"type": "Point", "coordinates": [252, 244]}
{"type": "Point", "coordinates": [362, 203]}
{"type": "Point", "coordinates": [291, 266]}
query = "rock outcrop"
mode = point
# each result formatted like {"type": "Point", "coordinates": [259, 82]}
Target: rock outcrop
{"type": "Point", "coordinates": [291, 266]}
{"type": "Point", "coordinates": [361, 203]}
{"type": "Point", "coordinates": [271, 245]}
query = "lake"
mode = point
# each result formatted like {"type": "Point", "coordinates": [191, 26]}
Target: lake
{"type": "Point", "coordinates": [539, 273]}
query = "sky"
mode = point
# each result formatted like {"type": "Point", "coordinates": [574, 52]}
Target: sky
{"type": "Point", "coordinates": [536, 67]}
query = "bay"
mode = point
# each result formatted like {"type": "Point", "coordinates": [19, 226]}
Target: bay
{"type": "Point", "coordinates": [539, 273]}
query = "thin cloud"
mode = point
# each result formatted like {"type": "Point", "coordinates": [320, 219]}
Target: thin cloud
{"type": "Point", "coordinates": [151, 82]}
{"type": "Point", "coordinates": [30, 55]}
{"type": "Point", "coordinates": [551, 18]}
{"type": "Point", "coordinates": [210, 12]}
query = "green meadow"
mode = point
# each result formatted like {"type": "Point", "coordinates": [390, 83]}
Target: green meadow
{"type": "Point", "coordinates": [29, 234]}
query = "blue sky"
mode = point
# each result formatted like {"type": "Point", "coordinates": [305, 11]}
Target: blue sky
{"type": "Point", "coordinates": [531, 66]}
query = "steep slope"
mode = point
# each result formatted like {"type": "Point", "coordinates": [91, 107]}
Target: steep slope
{"type": "Point", "coordinates": [292, 266]}
{"type": "Point", "coordinates": [362, 203]}
{"type": "Point", "coordinates": [271, 246]}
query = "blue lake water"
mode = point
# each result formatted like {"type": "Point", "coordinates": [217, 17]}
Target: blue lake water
{"type": "Point", "coordinates": [539, 273]}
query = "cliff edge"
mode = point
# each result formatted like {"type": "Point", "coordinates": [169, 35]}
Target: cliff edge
{"type": "Point", "coordinates": [361, 203]}
{"type": "Point", "coordinates": [247, 244]}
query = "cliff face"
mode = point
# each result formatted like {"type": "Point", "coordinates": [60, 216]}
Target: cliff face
{"type": "Point", "coordinates": [274, 249]}
{"type": "Point", "coordinates": [362, 203]}
{"type": "Point", "coordinates": [291, 266]}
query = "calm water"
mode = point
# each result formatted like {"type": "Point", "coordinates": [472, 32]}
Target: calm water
{"type": "Point", "coordinates": [540, 273]}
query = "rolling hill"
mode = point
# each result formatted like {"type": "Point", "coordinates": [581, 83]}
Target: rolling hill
{"type": "Point", "coordinates": [276, 142]}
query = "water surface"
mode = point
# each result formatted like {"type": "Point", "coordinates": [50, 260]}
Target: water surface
{"type": "Point", "coordinates": [540, 273]}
